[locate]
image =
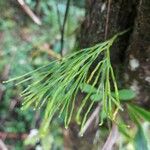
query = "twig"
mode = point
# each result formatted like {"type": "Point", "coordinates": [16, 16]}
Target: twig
{"type": "Point", "coordinates": [49, 51]}
{"type": "Point", "coordinates": [107, 19]}
{"type": "Point", "coordinates": [91, 119]}
{"type": "Point", "coordinates": [63, 26]}
{"type": "Point", "coordinates": [29, 12]}
{"type": "Point", "coordinates": [4, 76]}
{"type": "Point", "coordinates": [2, 145]}
{"type": "Point", "coordinates": [112, 138]}
{"type": "Point", "coordinates": [6, 71]}
{"type": "Point", "coordinates": [106, 31]}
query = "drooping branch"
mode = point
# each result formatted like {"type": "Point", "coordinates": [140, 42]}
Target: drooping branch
{"type": "Point", "coordinates": [29, 12]}
{"type": "Point", "coordinates": [112, 138]}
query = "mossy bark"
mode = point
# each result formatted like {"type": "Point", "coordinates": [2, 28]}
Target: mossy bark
{"type": "Point", "coordinates": [130, 55]}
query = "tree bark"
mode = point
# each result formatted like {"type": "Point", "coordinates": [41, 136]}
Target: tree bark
{"type": "Point", "coordinates": [138, 55]}
{"type": "Point", "coordinates": [130, 55]}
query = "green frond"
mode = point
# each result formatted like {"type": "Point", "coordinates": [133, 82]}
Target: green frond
{"type": "Point", "coordinates": [56, 85]}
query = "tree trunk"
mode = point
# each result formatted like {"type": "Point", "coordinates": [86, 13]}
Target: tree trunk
{"type": "Point", "coordinates": [130, 55]}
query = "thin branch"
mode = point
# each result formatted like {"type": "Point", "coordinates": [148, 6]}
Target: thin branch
{"type": "Point", "coordinates": [46, 48]}
{"type": "Point", "coordinates": [51, 53]}
{"type": "Point", "coordinates": [6, 72]}
{"type": "Point", "coordinates": [30, 13]}
{"type": "Point", "coordinates": [112, 138]}
{"type": "Point", "coordinates": [63, 26]}
{"type": "Point", "coordinates": [107, 19]}
{"type": "Point", "coordinates": [2, 145]}
{"type": "Point", "coordinates": [91, 119]}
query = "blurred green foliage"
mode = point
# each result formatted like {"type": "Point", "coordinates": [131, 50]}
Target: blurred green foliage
{"type": "Point", "coordinates": [20, 44]}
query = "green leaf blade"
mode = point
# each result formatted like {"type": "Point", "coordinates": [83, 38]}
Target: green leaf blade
{"type": "Point", "coordinates": [140, 141]}
{"type": "Point", "coordinates": [141, 112]}
{"type": "Point", "coordinates": [126, 94]}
